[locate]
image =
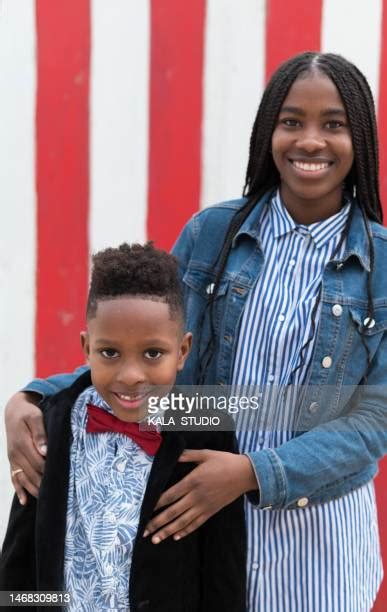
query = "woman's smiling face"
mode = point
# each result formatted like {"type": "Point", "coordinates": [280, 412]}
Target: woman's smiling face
{"type": "Point", "coordinates": [312, 148]}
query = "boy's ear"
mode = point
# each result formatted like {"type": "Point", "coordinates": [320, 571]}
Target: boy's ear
{"type": "Point", "coordinates": [85, 344]}
{"type": "Point", "coordinates": [184, 351]}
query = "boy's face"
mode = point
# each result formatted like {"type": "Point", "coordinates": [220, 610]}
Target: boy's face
{"type": "Point", "coordinates": [133, 345]}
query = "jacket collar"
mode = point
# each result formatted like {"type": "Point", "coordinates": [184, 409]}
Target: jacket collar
{"type": "Point", "coordinates": [356, 244]}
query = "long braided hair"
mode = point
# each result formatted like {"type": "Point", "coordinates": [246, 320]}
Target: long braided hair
{"type": "Point", "coordinates": [262, 174]}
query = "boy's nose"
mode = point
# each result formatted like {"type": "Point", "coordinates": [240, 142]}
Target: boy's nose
{"type": "Point", "coordinates": [131, 374]}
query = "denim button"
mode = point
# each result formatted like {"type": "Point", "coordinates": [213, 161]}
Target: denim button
{"type": "Point", "coordinates": [337, 310]}
{"type": "Point", "coordinates": [327, 362]}
{"type": "Point", "coordinates": [369, 323]}
{"type": "Point", "coordinates": [313, 407]}
{"type": "Point", "coordinates": [302, 502]}
{"type": "Point", "coordinates": [227, 338]}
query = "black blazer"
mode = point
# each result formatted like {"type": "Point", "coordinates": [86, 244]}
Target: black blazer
{"type": "Point", "coordinates": [203, 572]}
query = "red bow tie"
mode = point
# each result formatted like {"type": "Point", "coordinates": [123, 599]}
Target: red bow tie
{"type": "Point", "coordinates": [100, 421]}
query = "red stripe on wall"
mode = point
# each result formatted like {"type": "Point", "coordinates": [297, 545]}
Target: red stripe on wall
{"type": "Point", "coordinates": [382, 111]}
{"type": "Point", "coordinates": [381, 480]}
{"type": "Point", "coordinates": [62, 134]}
{"type": "Point", "coordinates": [291, 27]}
{"type": "Point", "coordinates": [176, 75]}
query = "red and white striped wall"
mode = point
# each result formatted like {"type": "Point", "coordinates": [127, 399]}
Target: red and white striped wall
{"type": "Point", "coordinates": [120, 119]}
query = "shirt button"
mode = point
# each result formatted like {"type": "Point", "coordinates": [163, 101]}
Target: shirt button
{"type": "Point", "coordinates": [270, 378]}
{"type": "Point", "coordinates": [369, 323]}
{"type": "Point", "coordinates": [255, 566]}
{"type": "Point", "coordinates": [121, 466]}
{"type": "Point", "coordinates": [292, 262]}
{"type": "Point", "coordinates": [313, 407]}
{"type": "Point", "coordinates": [302, 502]}
{"type": "Point", "coordinates": [109, 517]}
{"type": "Point", "coordinates": [337, 310]}
{"type": "Point", "coordinates": [109, 570]}
{"type": "Point", "coordinates": [281, 317]}
{"type": "Point", "coordinates": [327, 362]}
{"type": "Point", "coordinates": [261, 440]}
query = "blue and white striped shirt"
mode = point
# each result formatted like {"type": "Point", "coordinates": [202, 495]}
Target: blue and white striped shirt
{"type": "Point", "coordinates": [315, 559]}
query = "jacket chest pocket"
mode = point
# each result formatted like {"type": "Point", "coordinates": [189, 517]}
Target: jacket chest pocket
{"type": "Point", "coordinates": [199, 287]}
{"type": "Point", "coordinates": [369, 330]}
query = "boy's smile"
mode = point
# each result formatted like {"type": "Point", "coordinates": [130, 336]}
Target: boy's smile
{"type": "Point", "coordinates": [312, 148]}
{"type": "Point", "coordinates": [134, 347]}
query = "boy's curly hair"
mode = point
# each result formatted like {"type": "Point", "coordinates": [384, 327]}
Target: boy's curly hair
{"type": "Point", "coordinates": [135, 270]}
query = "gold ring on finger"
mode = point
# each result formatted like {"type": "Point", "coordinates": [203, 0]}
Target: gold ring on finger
{"type": "Point", "coordinates": [17, 471]}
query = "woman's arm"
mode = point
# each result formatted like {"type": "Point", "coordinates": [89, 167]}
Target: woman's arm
{"type": "Point", "coordinates": [317, 459]}
{"type": "Point", "coordinates": [26, 436]}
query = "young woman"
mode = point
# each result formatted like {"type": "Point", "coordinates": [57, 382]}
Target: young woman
{"type": "Point", "coordinates": [285, 290]}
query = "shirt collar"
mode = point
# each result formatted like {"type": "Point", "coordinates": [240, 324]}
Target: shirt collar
{"type": "Point", "coordinates": [321, 231]}
{"type": "Point", "coordinates": [356, 242]}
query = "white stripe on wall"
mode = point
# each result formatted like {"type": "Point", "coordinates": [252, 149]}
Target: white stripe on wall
{"type": "Point", "coordinates": [17, 180]}
{"type": "Point", "coordinates": [233, 85]}
{"type": "Point", "coordinates": [353, 29]}
{"type": "Point", "coordinates": [119, 122]}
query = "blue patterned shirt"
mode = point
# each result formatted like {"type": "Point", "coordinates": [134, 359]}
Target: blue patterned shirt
{"type": "Point", "coordinates": [108, 477]}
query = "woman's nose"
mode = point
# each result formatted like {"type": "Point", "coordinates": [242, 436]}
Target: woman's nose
{"type": "Point", "coordinates": [311, 141]}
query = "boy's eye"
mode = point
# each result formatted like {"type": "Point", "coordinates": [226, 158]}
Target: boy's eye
{"type": "Point", "coordinates": [109, 353]}
{"type": "Point", "coordinates": [153, 354]}
{"type": "Point", "coordinates": [333, 125]}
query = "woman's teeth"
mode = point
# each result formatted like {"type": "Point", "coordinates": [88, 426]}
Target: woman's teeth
{"type": "Point", "coordinates": [310, 167]}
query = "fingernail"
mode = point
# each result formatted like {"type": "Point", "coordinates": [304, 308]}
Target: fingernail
{"type": "Point", "coordinates": [156, 540]}
{"type": "Point", "coordinates": [43, 449]}
{"type": "Point", "coordinates": [21, 500]}
{"type": "Point", "coordinates": [176, 537]}
{"type": "Point", "coordinates": [146, 533]}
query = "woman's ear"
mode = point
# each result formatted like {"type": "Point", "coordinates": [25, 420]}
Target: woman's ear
{"type": "Point", "coordinates": [85, 344]}
{"type": "Point", "coordinates": [185, 347]}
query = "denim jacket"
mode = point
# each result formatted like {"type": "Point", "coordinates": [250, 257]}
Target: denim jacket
{"type": "Point", "coordinates": [342, 426]}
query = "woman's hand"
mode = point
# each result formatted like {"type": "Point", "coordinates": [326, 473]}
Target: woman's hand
{"type": "Point", "coordinates": [26, 443]}
{"type": "Point", "coordinates": [217, 481]}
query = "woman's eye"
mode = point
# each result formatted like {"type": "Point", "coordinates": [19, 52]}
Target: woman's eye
{"type": "Point", "coordinates": [153, 354]}
{"type": "Point", "coordinates": [290, 122]}
{"type": "Point", "coordinates": [109, 353]}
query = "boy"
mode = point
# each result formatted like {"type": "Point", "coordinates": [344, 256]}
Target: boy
{"type": "Point", "coordinates": [104, 474]}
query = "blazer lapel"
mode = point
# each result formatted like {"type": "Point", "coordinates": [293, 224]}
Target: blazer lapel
{"type": "Point", "coordinates": [51, 515]}
{"type": "Point", "coordinates": [164, 464]}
